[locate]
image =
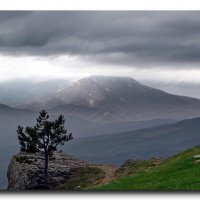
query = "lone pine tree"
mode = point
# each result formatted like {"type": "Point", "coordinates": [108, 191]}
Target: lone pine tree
{"type": "Point", "coordinates": [44, 138]}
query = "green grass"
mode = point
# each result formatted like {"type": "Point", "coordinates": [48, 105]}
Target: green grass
{"type": "Point", "coordinates": [83, 178]}
{"type": "Point", "coordinates": [133, 167]}
{"type": "Point", "coordinates": [179, 172]}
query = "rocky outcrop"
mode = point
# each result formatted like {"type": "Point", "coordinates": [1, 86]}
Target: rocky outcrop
{"type": "Point", "coordinates": [24, 174]}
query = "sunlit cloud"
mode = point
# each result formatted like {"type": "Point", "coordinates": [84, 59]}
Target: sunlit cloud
{"type": "Point", "coordinates": [73, 67]}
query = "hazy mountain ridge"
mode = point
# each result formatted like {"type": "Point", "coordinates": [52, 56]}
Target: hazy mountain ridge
{"type": "Point", "coordinates": [160, 141]}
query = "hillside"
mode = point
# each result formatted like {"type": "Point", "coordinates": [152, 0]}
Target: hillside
{"type": "Point", "coordinates": [160, 141]}
{"type": "Point", "coordinates": [180, 172]}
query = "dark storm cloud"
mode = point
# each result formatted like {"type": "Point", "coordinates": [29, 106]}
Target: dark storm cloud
{"type": "Point", "coordinates": [125, 38]}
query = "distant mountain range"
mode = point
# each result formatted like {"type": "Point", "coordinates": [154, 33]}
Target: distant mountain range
{"type": "Point", "coordinates": [10, 118]}
{"type": "Point", "coordinates": [160, 141]}
{"type": "Point", "coordinates": [117, 99]}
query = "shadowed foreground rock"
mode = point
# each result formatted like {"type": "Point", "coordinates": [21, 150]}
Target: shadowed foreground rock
{"type": "Point", "coordinates": [24, 174]}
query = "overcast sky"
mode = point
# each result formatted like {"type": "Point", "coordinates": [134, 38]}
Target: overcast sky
{"type": "Point", "coordinates": [161, 49]}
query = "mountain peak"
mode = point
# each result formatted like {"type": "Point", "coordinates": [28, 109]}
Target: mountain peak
{"type": "Point", "coordinates": [105, 81]}
{"type": "Point", "coordinates": [111, 78]}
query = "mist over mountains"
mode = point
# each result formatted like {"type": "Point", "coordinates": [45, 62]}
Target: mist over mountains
{"type": "Point", "coordinates": [21, 93]}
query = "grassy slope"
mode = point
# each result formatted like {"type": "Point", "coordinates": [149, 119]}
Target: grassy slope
{"type": "Point", "coordinates": [179, 172]}
{"type": "Point", "coordinates": [83, 178]}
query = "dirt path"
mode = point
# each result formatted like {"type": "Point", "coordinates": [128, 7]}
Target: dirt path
{"type": "Point", "coordinates": [109, 172]}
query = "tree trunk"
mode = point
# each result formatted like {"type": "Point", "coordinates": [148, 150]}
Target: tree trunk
{"type": "Point", "coordinates": [46, 170]}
